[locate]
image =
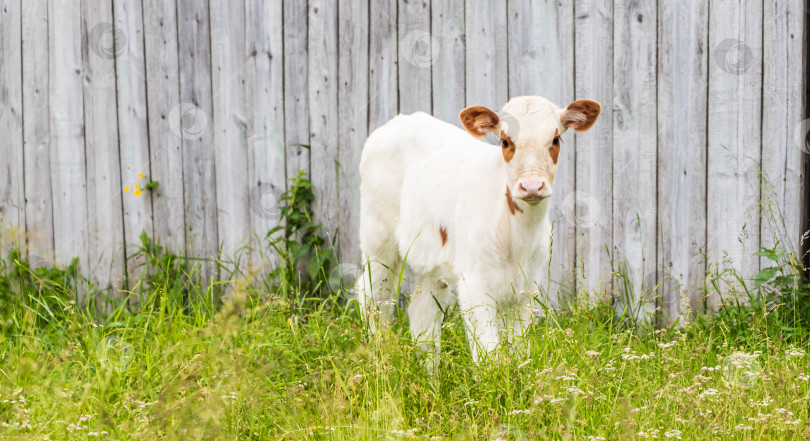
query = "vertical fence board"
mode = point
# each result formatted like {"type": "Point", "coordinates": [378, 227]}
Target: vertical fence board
{"type": "Point", "coordinates": [682, 92]}
{"type": "Point", "coordinates": [296, 86]}
{"type": "Point", "coordinates": [353, 120]}
{"type": "Point", "coordinates": [414, 44]}
{"type": "Point", "coordinates": [323, 112]}
{"type": "Point", "coordinates": [382, 63]}
{"type": "Point", "coordinates": [12, 187]}
{"type": "Point", "coordinates": [593, 201]}
{"type": "Point", "coordinates": [265, 81]}
{"type": "Point", "coordinates": [735, 88]}
{"type": "Point", "coordinates": [105, 222]}
{"type": "Point", "coordinates": [634, 153]}
{"type": "Point", "coordinates": [486, 57]}
{"type": "Point", "coordinates": [69, 179]}
{"type": "Point", "coordinates": [196, 132]}
{"type": "Point", "coordinates": [133, 147]}
{"type": "Point", "coordinates": [541, 44]}
{"type": "Point", "coordinates": [36, 134]}
{"type": "Point", "coordinates": [163, 98]}
{"type": "Point", "coordinates": [229, 60]}
{"type": "Point", "coordinates": [448, 65]}
{"type": "Point", "coordinates": [782, 115]}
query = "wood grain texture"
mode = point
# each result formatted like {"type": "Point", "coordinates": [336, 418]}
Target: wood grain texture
{"type": "Point", "coordinates": [382, 64]}
{"type": "Point", "coordinates": [68, 173]}
{"type": "Point", "coordinates": [783, 105]}
{"type": "Point", "coordinates": [230, 61]}
{"type": "Point", "coordinates": [163, 97]}
{"type": "Point", "coordinates": [682, 99]}
{"type": "Point", "coordinates": [265, 84]}
{"type": "Point", "coordinates": [735, 116]}
{"type": "Point", "coordinates": [133, 135]}
{"type": "Point", "coordinates": [105, 224]}
{"type": "Point", "coordinates": [448, 69]}
{"type": "Point", "coordinates": [323, 112]}
{"type": "Point", "coordinates": [196, 131]}
{"type": "Point", "coordinates": [541, 62]}
{"type": "Point", "coordinates": [296, 87]}
{"type": "Point", "coordinates": [634, 154]}
{"type": "Point", "coordinates": [486, 58]}
{"type": "Point", "coordinates": [353, 119]}
{"type": "Point", "coordinates": [415, 55]}
{"type": "Point", "coordinates": [12, 185]}
{"type": "Point", "coordinates": [36, 134]}
{"type": "Point", "coordinates": [593, 203]}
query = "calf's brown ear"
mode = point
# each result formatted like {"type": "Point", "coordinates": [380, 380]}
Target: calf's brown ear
{"type": "Point", "coordinates": [478, 120]}
{"type": "Point", "coordinates": [580, 115]}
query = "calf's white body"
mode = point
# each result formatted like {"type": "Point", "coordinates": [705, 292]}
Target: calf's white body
{"type": "Point", "coordinates": [446, 200]}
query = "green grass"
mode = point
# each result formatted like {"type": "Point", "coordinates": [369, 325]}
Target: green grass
{"type": "Point", "coordinates": [276, 369]}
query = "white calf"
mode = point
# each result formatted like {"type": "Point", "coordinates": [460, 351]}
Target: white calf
{"type": "Point", "coordinates": [467, 214]}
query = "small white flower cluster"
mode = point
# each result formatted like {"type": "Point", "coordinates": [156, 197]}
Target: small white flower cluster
{"type": "Point", "coordinates": [794, 352]}
{"type": "Point", "coordinates": [653, 433]}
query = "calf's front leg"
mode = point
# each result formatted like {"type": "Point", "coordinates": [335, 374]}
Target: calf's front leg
{"type": "Point", "coordinates": [480, 317]}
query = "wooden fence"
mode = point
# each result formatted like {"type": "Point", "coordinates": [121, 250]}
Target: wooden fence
{"type": "Point", "coordinates": [697, 159]}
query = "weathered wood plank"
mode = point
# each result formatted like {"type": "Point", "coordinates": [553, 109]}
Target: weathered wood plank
{"type": "Point", "coordinates": [447, 28]}
{"type": "Point", "coordinates": [782, 114]}
{"type": "Point", "coordinates": [12, 187]}
{"type": "Point", "coordinates": [133, 144]}
{"type": "Point", "coordinates": [382, 68]}
{"type": "Point", "coordinates": [163, 97]}
{"type": "Point", "coordinates": [296, 86]}
{"type": "Point", "coordinates": [353, 121]}
{"type": "Point", "coordinates": [36, 135]}
{"type": "Point", "coordinates": [265, 83]}
{"type": "Point", "coordinates": [634, 154]}
{"type": "Point", "coordinates": [196, 131]}
{"type": "Point", "coordinates": [486, 58]}
{"type": "Point", "coordinates": [105, 223]}
{"type": "Point", "coordinates": [682, 99]}
{"type": "Point", "coordinates": [541, 62]}
{"type": "Point", "coordinates": [323, 112]}
{"type": "Point", "coordinates": [415, 55]}
{"type": "Point", "coordinates": [68, 173]}
{"type": "Point", "coordinates": [229, 60]}
{"type": "Point", "coordinates": [591, 208]}
{"type": "Point", "coordinates": [735, 115]}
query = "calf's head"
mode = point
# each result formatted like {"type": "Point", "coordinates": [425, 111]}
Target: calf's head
{"type": "Point", "coordinates": [529, 129]}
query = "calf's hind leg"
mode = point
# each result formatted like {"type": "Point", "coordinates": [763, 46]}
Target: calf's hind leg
{"type": "Point", "coordinates": [376, 288]}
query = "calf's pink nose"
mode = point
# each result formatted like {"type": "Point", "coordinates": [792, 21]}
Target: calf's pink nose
{"type": "Point", "coordinates": [533, 189]}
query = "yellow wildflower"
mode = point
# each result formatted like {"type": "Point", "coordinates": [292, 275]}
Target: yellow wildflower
{"type": "Point", "coordinates": [126, 189]}
{"type": "Point", "coordinates": [137, 192]}
{"type": "Point", "coordinates": [140, 175]}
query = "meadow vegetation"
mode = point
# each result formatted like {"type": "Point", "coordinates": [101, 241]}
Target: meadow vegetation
{"type": "Point", "coordinates": [282, 355]}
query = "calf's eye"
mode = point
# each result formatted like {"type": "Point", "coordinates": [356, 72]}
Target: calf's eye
{"type": "Point", "coordinates": [505, 143]}
{"type": "Point", "coordinates": [556, 141]}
